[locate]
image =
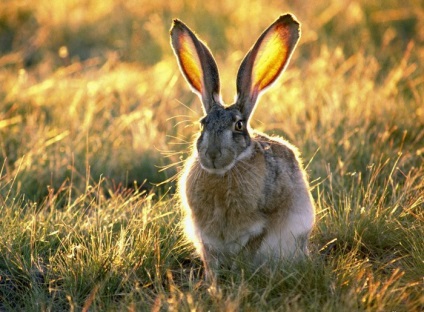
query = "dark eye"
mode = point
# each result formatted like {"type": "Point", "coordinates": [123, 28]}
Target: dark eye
{"type": "Point", "coordinates": [239, 125]}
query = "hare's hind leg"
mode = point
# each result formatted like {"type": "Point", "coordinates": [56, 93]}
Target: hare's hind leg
{"type": "Point", "coordinates": [289, 238]}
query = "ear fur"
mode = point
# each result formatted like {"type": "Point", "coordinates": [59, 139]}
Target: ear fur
{"type": "Point", "coordinates": [197, 64]}
{"type": "Point", "coordinates": [265, 61]}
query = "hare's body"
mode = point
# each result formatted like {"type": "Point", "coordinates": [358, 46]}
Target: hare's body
{"type": "Point", "coordinates": [260, 207]}
{"type": "Point", "coordinates": [245, 194]}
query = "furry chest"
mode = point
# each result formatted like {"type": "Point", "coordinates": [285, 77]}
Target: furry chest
{"type": "Point", "coordinates": [226, 210]}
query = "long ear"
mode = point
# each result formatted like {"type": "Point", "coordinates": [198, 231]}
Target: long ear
{"type": "Point", "coordinates": [197, 64]}
{"type": "Point", "coordinates": [265, 61]}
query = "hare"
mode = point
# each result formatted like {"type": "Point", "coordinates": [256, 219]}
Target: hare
{"type": "Point", "coordinates": [244, 193]}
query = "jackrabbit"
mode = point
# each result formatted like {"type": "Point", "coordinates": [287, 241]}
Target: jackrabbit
{"type": "Point", "coordinates": [245, 193]}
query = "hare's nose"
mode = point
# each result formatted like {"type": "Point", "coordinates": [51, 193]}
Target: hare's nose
{"type": "Point", "coordinates": [213, 154]}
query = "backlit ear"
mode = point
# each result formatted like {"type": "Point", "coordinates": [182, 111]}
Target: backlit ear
{"type": "Point", "coordinates": [196, 63]}
{"type": "Point", "coordinates": [266, 60]}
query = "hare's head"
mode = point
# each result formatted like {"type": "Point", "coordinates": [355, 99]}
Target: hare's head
{"type": "Point", "coordinates": [224, 138]}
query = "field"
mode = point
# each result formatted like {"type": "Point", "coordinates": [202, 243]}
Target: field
{"type": "Point", "coordinates": [96, 121]}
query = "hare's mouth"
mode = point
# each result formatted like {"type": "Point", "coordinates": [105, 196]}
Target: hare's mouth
{"type": "Point", "coordinates": [219, 166]}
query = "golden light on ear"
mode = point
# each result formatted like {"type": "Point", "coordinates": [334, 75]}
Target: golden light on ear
{"type": "Point", "coordinates": [271, 58]}
{"type": "Point", "coordinates": [189, 61]}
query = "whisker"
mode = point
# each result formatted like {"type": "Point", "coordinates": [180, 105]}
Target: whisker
{"type": "Point", "coordinates": [186, 106]}
{"type": "Point", "coordinates": [177, 138]}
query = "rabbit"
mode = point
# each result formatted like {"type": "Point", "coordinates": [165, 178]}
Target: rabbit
{"type": "Point", "coordinates": [244, 193]}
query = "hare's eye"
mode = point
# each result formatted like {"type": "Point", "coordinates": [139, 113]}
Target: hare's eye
{"type": "Point", "coordinates": [239, 125]}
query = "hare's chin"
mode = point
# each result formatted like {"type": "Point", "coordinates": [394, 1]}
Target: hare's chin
{"type": "Point", "coordinates": [219, 171]}
{"type": "Point", "coordinates": [247, 153]}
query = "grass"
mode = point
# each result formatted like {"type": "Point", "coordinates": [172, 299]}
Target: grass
{"type": "Point", "coordinates": [92, 107]}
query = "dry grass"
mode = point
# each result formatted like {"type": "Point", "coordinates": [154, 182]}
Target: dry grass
{"type": "Point", "coordinates": [92, 104]}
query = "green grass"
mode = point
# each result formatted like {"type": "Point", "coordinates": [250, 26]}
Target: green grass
{"type": "Point", "coordinates": [92, 107]}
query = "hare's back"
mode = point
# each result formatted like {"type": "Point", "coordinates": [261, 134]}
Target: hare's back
{"type": "Point", "coordinates": [287, 197]}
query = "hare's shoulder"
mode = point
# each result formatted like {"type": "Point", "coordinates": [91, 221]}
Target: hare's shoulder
{"type": "Point", "coordinates": [277, 147]}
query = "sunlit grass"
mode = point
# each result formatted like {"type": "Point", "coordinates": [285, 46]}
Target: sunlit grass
{"type": "Point", "coordinates": [92, 106]}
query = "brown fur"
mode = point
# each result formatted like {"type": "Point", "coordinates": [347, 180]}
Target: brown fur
{"type": "Point", "coordinates": [225, 207]}
{"type": "Point", "coordinates": [244, 194]}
